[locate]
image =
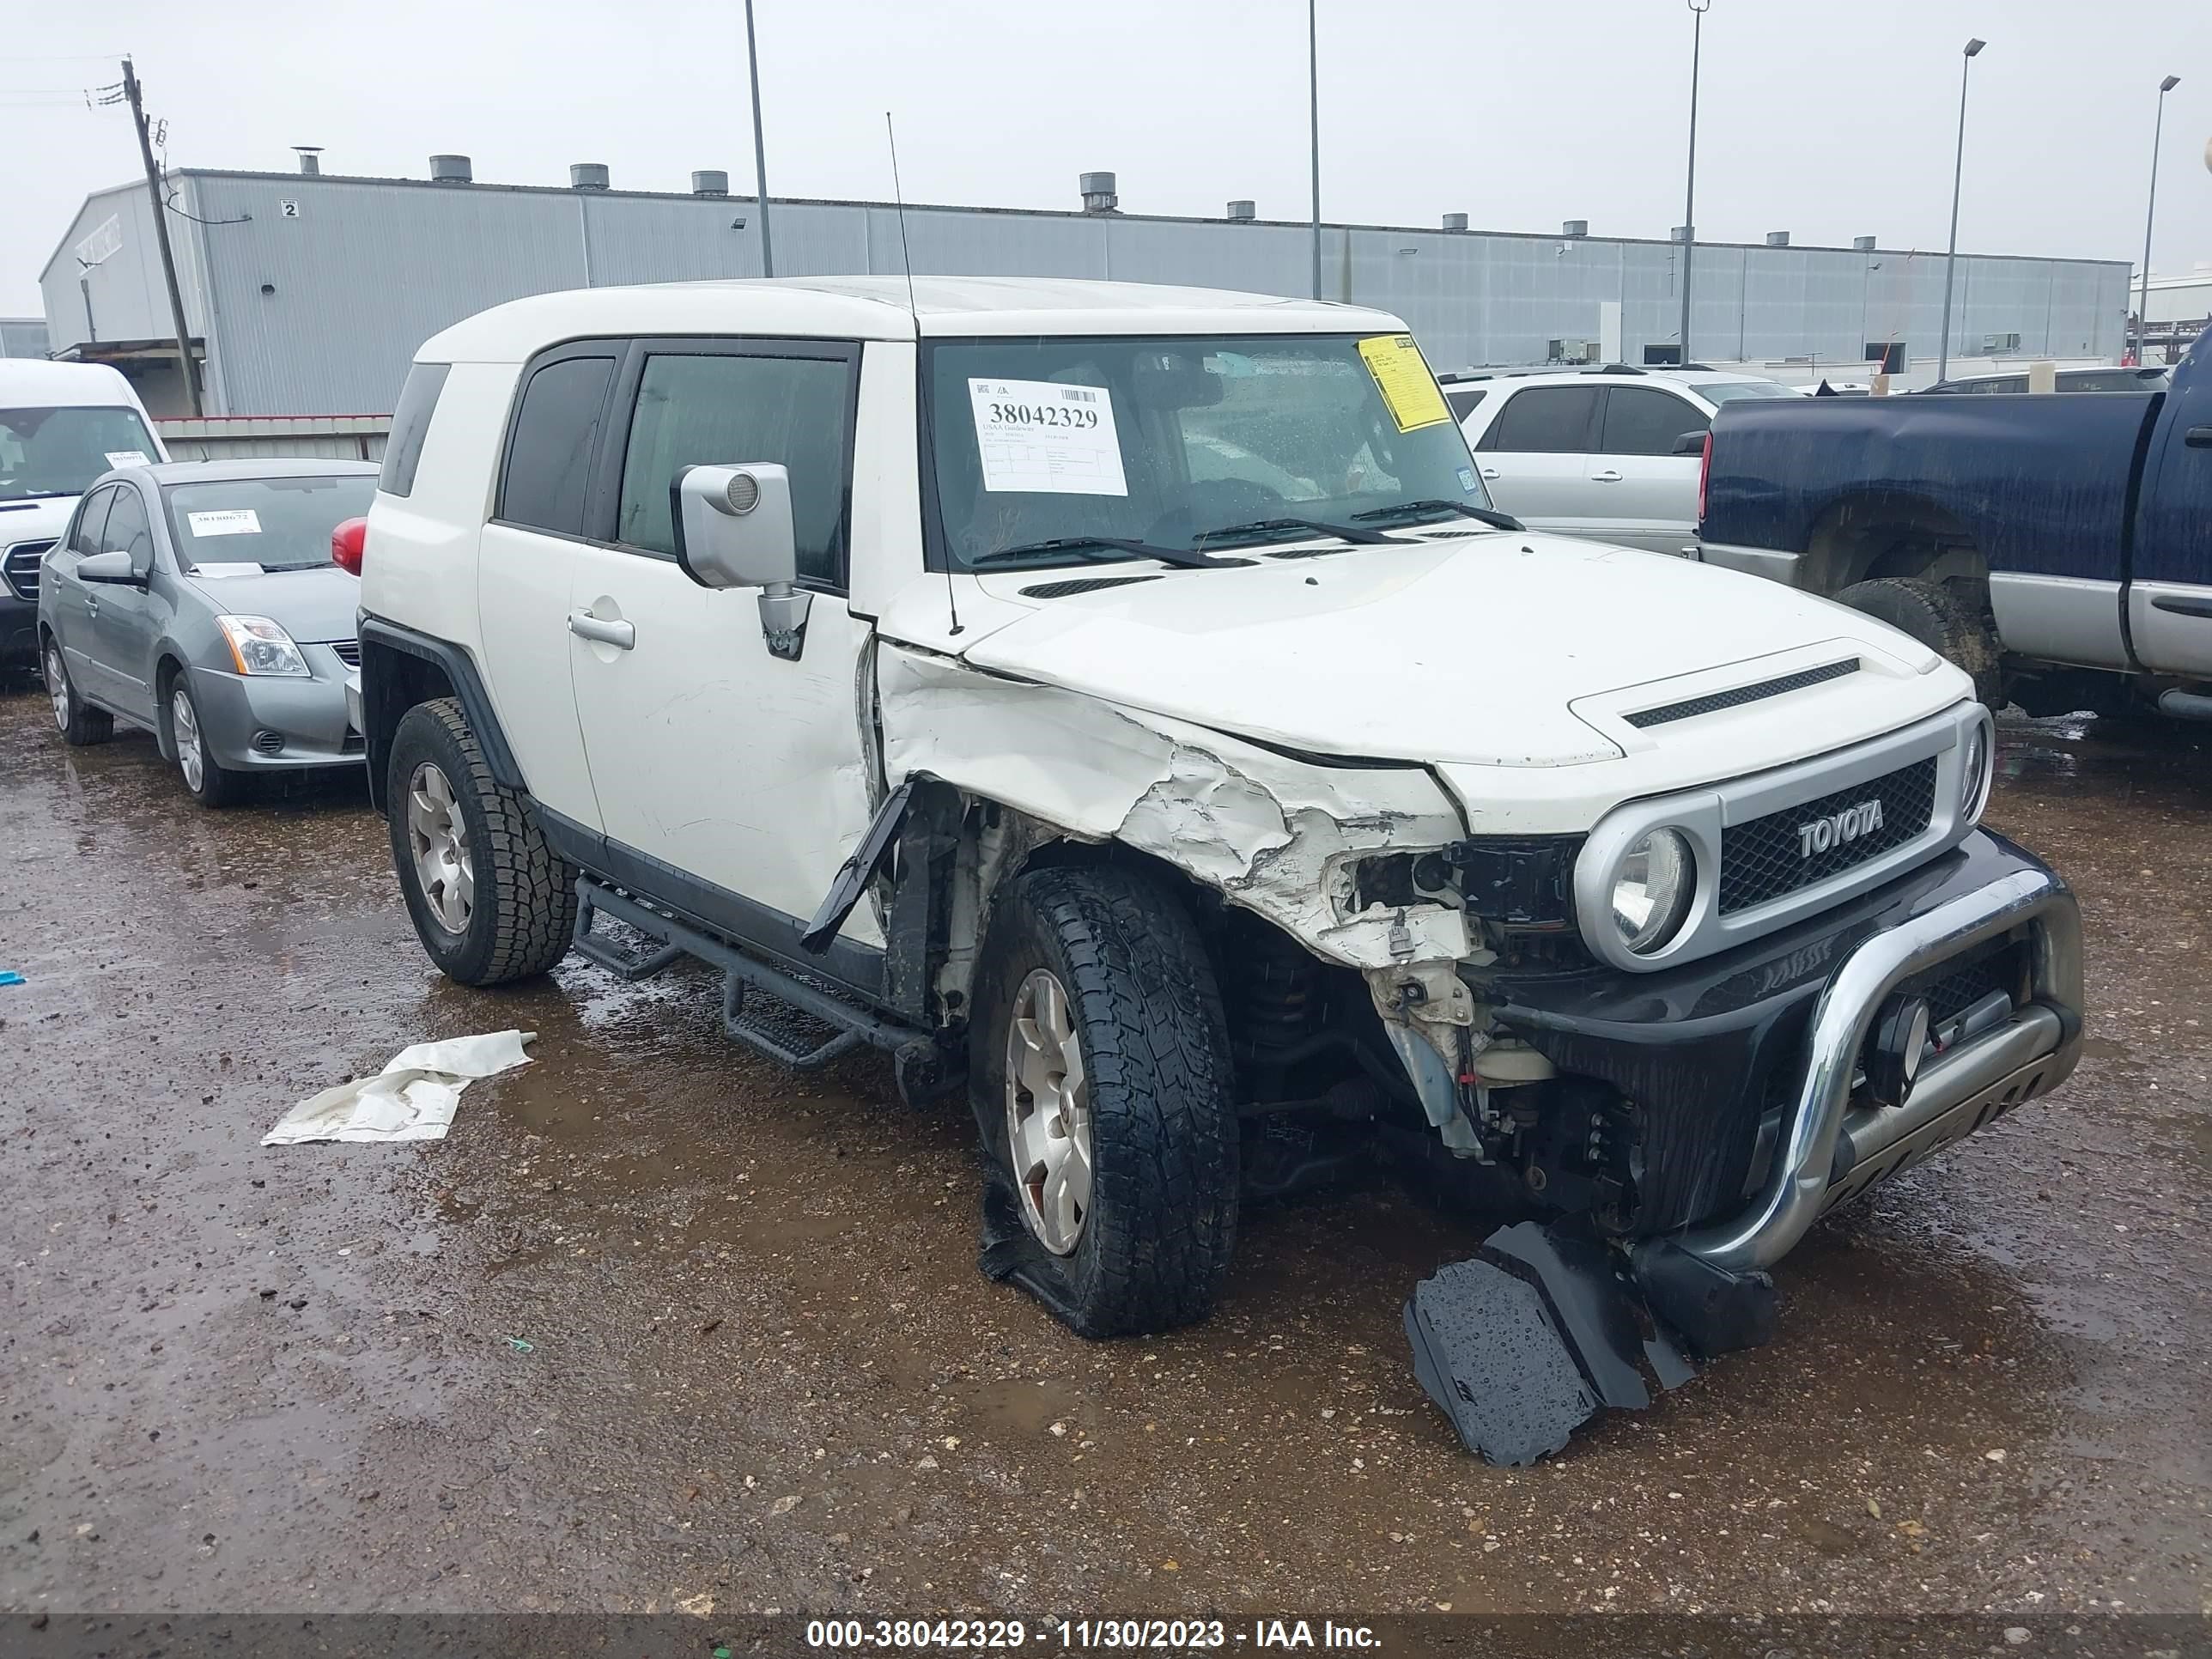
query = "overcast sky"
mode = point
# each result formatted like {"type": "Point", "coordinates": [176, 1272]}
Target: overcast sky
{"type": "Point", "coordinates": [1829, 118]}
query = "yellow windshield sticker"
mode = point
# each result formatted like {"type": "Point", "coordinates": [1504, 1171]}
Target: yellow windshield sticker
{"type": "Point", "coordinates": [1401, 376]}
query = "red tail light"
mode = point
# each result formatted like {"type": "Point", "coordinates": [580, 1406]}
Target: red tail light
{"type": "Point", "coordinates": [1704, 477]}
{"type": "Point", "coordinates": [348, 539]}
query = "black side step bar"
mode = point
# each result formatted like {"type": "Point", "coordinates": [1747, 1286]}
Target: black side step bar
{"type": "Point", "coordinates": [852, 1025]}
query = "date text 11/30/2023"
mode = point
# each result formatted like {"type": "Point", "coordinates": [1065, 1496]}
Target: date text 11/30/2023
{"type": "Point", "coordinates": [1082, 1635]}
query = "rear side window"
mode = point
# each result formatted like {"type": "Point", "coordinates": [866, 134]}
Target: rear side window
{"type": "Point", "coordinates": [1641, 421]}
{"type": "Point", "coordinates": [1462, 403]}
{"type": "Point", "coordinates": [1544, 420]}
{"type": "Point", "coordinates": [410, 424]}
{"type": "Point", "coordinates": [549, 452]}
{"type": "Point", "coordinates": [706, 409]}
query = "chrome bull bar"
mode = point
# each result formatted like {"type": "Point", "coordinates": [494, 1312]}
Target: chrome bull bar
{"type": "Point", "coordinates": [2031, 1053]}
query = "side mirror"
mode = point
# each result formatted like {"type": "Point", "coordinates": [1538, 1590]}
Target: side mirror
{"type": "Point", "coordinates": [113, 569]}
{"type": "Point", "coordinates": [734, 529]}
{"type": "Point", "coordinates": [1690, 443]}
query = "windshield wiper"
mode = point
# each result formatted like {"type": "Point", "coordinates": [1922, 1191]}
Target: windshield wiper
{"type": "Point", "coordinates": [1277, 530]}
{"type": "Point", "coordinates": [1401, 510]}
{"type": "Point", "coordinates": [1105, 549]}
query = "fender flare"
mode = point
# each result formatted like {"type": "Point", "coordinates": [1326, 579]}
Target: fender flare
{"type": "Point", "coordinates": [460, 672]}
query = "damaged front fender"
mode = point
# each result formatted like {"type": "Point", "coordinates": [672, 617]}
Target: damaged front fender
{"type": "Point", "coordinates": [1274, 833]}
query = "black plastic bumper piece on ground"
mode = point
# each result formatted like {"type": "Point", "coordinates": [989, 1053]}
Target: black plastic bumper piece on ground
{"type": "Point", "coordinates": [1533, 1337]}
{"type": "Point", "coordinates": [1716, 1310]}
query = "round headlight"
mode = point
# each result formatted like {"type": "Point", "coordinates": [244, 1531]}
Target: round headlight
{"type": "Point", "coordinates": [1974, 772]}
{"type": "Point", "coordinates": [1651, 894]}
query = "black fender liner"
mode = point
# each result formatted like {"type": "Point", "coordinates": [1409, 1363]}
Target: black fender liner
{"type": "Point", "coordinates": [380, 717]}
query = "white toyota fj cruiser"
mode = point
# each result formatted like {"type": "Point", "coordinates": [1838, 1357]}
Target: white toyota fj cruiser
{"type": "Point", "coordinates": [1122, 704]}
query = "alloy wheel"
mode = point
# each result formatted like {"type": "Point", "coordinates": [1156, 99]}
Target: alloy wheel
{"type": "Point", "coordinates": [1048, 1113]}
{"type": "Point", "coordinates": [438, 836]}
{"type": "Point", "coordinates": [185, 725]}
{"type": "Point", "coordinates": [58, 686]}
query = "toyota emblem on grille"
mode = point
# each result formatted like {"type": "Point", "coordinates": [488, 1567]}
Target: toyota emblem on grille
{"type": "Point", "coordinates": [1837, 828]}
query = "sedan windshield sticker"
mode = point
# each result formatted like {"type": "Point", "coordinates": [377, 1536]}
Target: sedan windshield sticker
{"type": "Point", "coordinates": [235, 521]}
{"type": "Point", "coordinates": [126, 458]}
{"type": "Point", "coordinates": [1401, 376]}
{"type": "Point", "coordinates": [232, 569]}
{"type": "Point", "coordinates": [1046, 438]}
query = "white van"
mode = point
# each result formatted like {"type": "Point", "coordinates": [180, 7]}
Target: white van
{"type": "Point", "coordinates": [61, 426]}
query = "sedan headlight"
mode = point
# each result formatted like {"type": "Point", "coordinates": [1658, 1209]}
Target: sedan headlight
{"type": "Point", "coordinates": [1976, 768]}
{"type": "Point", "coordinates": [257, 646]}
{"type": "Point", "coordinates": [1652, 890]}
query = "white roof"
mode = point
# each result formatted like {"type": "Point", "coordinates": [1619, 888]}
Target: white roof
{"type": "Point", "coordinates": [34, 383]}
{"type": "Point", "coordinates": [875, 309]}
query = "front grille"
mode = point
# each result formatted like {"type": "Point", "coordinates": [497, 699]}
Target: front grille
{"type": "Point", "coordinates": [1067, 590]}
{"type": "Point", "coordinates": [348, 651]}
{"type": "Point", "coordinates": [1953, 986]}
{"type": "Point", "coordinates": [1715, 702]}
{"type": "Point", "coordinates": [21, 567]}
{"type": "Point", "coordinates": [1765, 859]}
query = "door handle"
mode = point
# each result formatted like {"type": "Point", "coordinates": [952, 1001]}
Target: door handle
{"type": "Point", "coordinates": [1490, 472]}
{"type": "Point", "coordinates": [584, 625]}
{"type": "Point", "coordinates": [2198, 437]}
{"type": "Point", "coordinates": [1605, 477]}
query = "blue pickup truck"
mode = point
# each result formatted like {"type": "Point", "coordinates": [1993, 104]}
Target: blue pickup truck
{"type": "Point", "coordinates": [2059, 548]}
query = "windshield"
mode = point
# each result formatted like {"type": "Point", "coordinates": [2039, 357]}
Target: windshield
{"type": "Point", "coordinates": [1170, 442]}
{"type": "Point", "coordinates": [1721, 391]}
{"type": "Point", "coordinates": [268, 524]}
{"type": "Point", "coordinates": [59, 452]}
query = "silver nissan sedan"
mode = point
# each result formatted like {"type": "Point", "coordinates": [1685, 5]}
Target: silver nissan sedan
{"type": "Point", "coordinates": [198, 599]}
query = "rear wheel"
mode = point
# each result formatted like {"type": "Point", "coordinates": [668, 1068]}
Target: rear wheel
{"type": "Point", "coordinates": [491, 901]}
{"type": "Point", "coordinates": [1937, 617]}
{"type": "Point", "coordinates": [78, 722]}
{"type": "Point", "coordinates": [212, 783]}
{"type": "Point", "coordinates": [1101, 1072]}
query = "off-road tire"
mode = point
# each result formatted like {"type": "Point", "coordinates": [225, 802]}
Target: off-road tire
{"type": "Point", "coordinates": [86, 724]}
{"type": "Point", "coordinates": [523, 916]}
{"type": "Point", "coordinates": [1931, 614]}
{"type": "Point", "coordinates": [1147, 1014]}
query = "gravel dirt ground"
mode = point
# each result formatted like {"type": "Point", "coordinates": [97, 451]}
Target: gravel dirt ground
{"type": "Point", "coordinates": [661, 1326]}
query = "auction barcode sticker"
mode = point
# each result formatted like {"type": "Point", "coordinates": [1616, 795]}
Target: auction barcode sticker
{"type": "Point", "coordinates": [235, 521]}
{"type": "Point", "coordinates": [1047, 437]}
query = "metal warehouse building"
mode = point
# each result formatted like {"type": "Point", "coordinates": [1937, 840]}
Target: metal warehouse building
{"type": "Point", "coordinates": [307, 294]}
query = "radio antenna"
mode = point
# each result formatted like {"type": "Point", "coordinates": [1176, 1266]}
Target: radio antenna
{"type": "Point", "coordinates": [906, 260]}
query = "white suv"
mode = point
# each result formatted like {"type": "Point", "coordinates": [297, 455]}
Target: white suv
{"type": "Point", "coordinates": [1121, 705]}
{"type": "Point", "coordinates": [1611, 453]}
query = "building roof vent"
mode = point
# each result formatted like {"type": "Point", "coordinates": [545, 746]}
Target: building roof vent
{"type": "Point", "coordinates": [710, 181]}
{"type": "Point", "coordinates": [588, 175]}
{"type": "Point", "coordinates": [1454, 221]}
{"type": "Point", "coordinates": [1575, 228]}
{"type": "Point", "coordinates": [1098, 195]}
{"type": "Point", "coordinates": [1241, 210]}
{"type": "Point", "coordinates": [1863, 244]}
{"type": "Point", "coordinates": [450, 170]}
{"type": "Point", "coordinates": [1778, 239]}
{"type": "Point", "coordinates": [311, 161]}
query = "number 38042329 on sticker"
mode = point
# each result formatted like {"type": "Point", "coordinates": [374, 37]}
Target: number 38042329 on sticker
{"type": "Point", "coordinates": [1047, 437]}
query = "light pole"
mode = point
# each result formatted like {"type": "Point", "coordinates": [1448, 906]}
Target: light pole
{"type": "Point", "coordinates": [1313, 107]}
{"type": "Point", "coordinates": [1958, 172]}
{"type": "Point", "coordinates": [1690, 189]}
{"type": "Point", "coordinates": [2151, 217]}
{"type": "Point", "coordinates": [760, 145]}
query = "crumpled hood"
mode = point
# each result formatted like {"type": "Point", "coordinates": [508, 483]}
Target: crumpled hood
{"type": "Point", "coordinates": [314, 605]}
{"type": "Point", "coordinates": [1469, 651]}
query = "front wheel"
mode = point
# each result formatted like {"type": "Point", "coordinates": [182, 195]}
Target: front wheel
{"type": "Point", "coordinates": [212, 783]}
{"type": "Point", "coordinates": [1100, 1066]}
{"type": "Point", "coordinates": [77, 720]}
{"type": "Point", "coordinates": [491, 901]}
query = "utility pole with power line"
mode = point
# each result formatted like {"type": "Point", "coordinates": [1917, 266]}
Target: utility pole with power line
{"type": "Point", "coordinates": [186, 366]}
